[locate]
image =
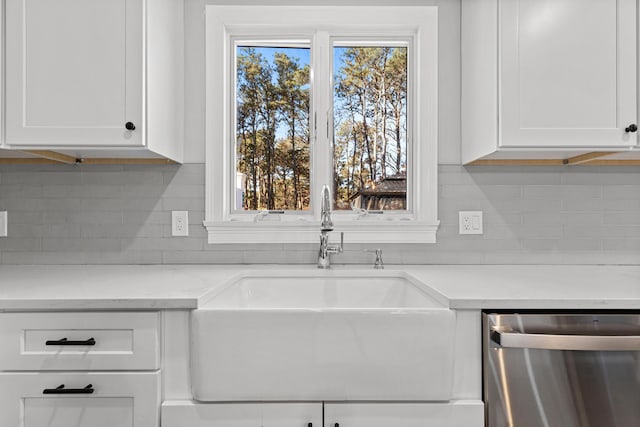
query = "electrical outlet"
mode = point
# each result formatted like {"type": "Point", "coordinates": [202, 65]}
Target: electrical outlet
{"type": "Point", "coordinates": [470, 222]}
{"type": "Point", "coordinates": [179, 223]}
{"type": "Point", "coordinates": [3, 224]}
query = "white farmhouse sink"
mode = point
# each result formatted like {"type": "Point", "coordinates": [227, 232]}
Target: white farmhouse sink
{"type": "Point", "coordinates": [322, 335]}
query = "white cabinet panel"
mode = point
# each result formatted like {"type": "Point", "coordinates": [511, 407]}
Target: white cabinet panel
{"type": "Point", "coordinates": [54, 341]}
{"type": "Point", "coordinates": [547, 79]}
{"type": "Point", "coordinates": [445, 414]}
{"type": "Point", "coordinates": [461, 413]}
{"type": "Point", "coordinates": [94, 78]}
{"type": "Point", "coordinates": [78, 411]}
{"type": "Point", "coordinates": [568, 72]}
{"type": "Point", "coordinates": [74, 72]}
{"type": "Point", "coordinates": [117, 400]}
{"type": "Point", "coordinates": [190, 414]}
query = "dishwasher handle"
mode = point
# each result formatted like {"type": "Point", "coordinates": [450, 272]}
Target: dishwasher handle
{"type": "Point", "coordinates": [514, 339]}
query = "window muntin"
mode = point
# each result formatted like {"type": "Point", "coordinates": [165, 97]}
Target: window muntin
{"type": "Point", "coordinates": [370, 96]}
{"type": "Point", "coordinates": [272, 135]}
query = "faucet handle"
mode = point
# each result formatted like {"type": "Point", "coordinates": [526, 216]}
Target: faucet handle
{"type": "Point", "coordinates": [378, 264]}
{"type": "Point", "coordinates": [333, 249]}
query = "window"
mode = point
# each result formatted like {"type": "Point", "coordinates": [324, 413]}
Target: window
{"type": "Point", "coordinates": [370, 91]}
{"type": "Point", "coordinates": [273, 141]}
{"type": "Point", "coordinates": [303, 96]}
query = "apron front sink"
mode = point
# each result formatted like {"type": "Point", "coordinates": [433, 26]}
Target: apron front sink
{"type": "Point", "coordinates": [281, 335]}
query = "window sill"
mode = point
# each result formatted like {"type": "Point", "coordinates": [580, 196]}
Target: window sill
{"type": "Point", "coordinates": [308, 232]}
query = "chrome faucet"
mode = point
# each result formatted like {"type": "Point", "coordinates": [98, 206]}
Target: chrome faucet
{"type": "Point", "coordinates": [326, 225]}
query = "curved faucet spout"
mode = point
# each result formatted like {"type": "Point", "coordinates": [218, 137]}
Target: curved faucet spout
{"type": "Point", "coordinates": [326, 224]}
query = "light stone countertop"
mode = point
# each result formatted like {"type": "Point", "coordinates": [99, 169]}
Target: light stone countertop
{"type": "Point", "coordinates": [159, 287]}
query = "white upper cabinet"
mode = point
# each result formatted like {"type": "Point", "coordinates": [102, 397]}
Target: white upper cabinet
{"type": "Point", "coordinates": [548, 75]}
{"type": "Point", "coordinates": [568, 72]}
{"type": "Point", "coordinates": [94, 74]}
{"type": "Point", "coordinates": [75, 72]}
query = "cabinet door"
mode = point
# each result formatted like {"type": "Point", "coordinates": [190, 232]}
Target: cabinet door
{"type": "Point", "coordinates": [117, 400]}
{"type": "Point", "coordinates": [190, 414]}
{"type": "Point", "coordinates": [74, 72]}
{"type": "Point", "coordinates": [442, 414]}
{"type": "Point", "coordinates": [568, 73]}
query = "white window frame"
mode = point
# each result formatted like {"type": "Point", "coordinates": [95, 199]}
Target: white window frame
{"type": "Point", "coordinates": [415, 25]}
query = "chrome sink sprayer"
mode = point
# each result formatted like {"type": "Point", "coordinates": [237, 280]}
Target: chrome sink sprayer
{"type": "Point", "coordinates": [326, 225]}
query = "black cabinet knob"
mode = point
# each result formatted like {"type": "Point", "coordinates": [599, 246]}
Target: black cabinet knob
{"type": "Point", "coordinates": [631, 128]}
{"type": "Point", "coordinates": [130, 126]}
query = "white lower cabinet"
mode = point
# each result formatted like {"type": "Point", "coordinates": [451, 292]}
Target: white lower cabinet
{"type": "Point", "coordinates": [444, 414]}
{"type": "Point", "coordinates": [81, 341]}
{"type": "Point", "coordinates": [467, 413]}
{"type": "Point", "coordinates": [80, 369]}
{"type": "Point", "coordinates": [105, 399]}
{"type": "Point", "coordinates": [191, 414]}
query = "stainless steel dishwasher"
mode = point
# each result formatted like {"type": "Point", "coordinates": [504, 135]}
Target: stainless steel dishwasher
{"type": "Point", "coordinates": [561, 370]}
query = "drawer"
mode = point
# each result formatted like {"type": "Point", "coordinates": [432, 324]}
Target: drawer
{"type": "Point", "coordinates": [79, 341]}
{"type": "Point", "coordinates": [101, 399]}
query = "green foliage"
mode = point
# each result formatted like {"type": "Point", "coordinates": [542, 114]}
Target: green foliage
{"type": "Point", "coordinates": [370, 101]}
{"type": "Point", "coordinates": [271, 96]}
{"type": "Point", "coordinates": [272, 125]}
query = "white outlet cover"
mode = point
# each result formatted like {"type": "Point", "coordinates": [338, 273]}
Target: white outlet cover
{"type": "Point", "coordinates": [470, 222]}
{"type": "Point", "coordinates": [179, 223]}
{"type": "Point", "coordinates": [3, 224]}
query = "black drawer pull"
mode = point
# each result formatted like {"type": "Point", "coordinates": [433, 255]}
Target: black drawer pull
{"type": "Point", "coordinates": [65, 341]}
{"type": "Point", "coordinates": [61, 390]}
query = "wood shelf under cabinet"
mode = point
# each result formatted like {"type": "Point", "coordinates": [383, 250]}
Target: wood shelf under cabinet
{"type": "Point", "coordinates": [604, 158]}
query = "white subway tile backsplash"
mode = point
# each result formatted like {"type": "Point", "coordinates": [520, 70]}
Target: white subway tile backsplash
{"type": "Point", "coordinates": [118, 177]}
{"type": "Point", "coordinates": [123, 230]}
{"type": "Point", "coordinates": [575, 218]}
{"type": "Point", "coordinates": [623, 245]}
{"type": "Point", "coordinates": [622, 218]}
{"type": "Point", "coordinates": [83, 217]}
{"type": "Point", "coordinates": [31, 229]}
{"type": "Point", "coordinates": [185, 204]}
{"type": "Point", "coordinates": [562, 192]}
{"type": "Point", "coordinates": [480, 191]}
{"type": "Point", "coordinates": [202, 257]}
{"type": "Point", "coordinates": [64, 244]}
{"type": "Point", "coordinates": [629, 192]}
{"type": "Point", "coordinates": [114, 214]}
{"type": "Point", "coordinates": [184, 175]}
{"type": "Point", "coordinates": [560, 245]}
{"type": "Point", "coordinates": [28, 176]}
{"type": "Point", "coordinates": [82, 191]}
{"type": "Point", "coordinates": [587, 176]}
{"type": "Point", "coordinates": [603, 231]}
{"type": "Point", "coordinates": [19, 191]}
{"type": "Point", "coordinates": [164, 244]}
{"type": "Point", "coordinates": [19, 244]}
